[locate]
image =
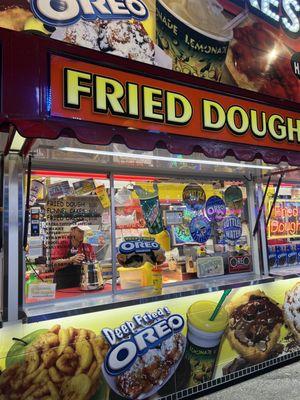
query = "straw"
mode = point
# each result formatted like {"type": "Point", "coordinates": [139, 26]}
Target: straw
{"type": "Point", "coordinates": [219, 305]}
{"type": "Point", "coordinates": [236, 21]}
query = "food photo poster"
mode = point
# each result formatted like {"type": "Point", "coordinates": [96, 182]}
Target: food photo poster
{"type": "Point", "coordinates": [150, 351]}
{"type": "Point", "coordinates": [241, 43]}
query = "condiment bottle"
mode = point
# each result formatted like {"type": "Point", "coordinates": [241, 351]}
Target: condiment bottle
{"type": "Point", "coordinates": [157, 279]}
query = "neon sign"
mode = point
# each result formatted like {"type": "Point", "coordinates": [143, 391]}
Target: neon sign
{"type": "Point", "coordinates": [281, 13]}
{"type": "Point", "coordinates": [285, 220]}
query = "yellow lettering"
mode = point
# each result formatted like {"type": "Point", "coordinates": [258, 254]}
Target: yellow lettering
{"type": "Point", "coordinates": [277, 131]}
{"type": "Point", "coordinates": [133, 99]}
{"type": "Point", "coordinates": [254, 124]}
{"type": "Point", "coordinates": [186, 111]}
{"type": "Point", "coordinates": [74, 87]}
{"type": "Point", "coordinates": [108, 95]}
{"type": "Point", "coordinates": [209, 122]}
{"type": "Point", "coordinates": [293, 130]}
{"type": "Point", "coordinates": [151, 104]}
{"type": "Point", "coordinates": [232, 114]}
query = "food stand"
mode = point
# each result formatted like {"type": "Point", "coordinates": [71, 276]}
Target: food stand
{"type": "Point", "coordinates": [171, 200]}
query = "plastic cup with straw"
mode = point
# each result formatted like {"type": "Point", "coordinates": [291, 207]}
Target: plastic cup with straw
{"type": "Point", "coordinates": [220, 303]}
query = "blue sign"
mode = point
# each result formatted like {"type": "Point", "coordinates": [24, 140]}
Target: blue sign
{"type": "Point", "coordinates": [232, 228]}
{"type": "Point", "coordinates": [215, 209]}
{"type": "Point", "coordinates": [200, 229]}
{"type": "Point", "coordinates": [138, 245]}
{"type": "Point", "coordinates": [194, 197]}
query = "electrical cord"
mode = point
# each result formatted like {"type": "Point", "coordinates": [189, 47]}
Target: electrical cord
{"type": "Point", "coordinates": [34, 270]}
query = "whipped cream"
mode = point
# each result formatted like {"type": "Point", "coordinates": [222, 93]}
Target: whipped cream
{"type": "Point", "coordinates": [206, 15]}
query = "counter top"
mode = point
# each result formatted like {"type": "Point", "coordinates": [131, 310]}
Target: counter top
{"type": "Point", "coordinates": [286, 273]}
{"type": "Point", "coordinates": [104, 300]}
{"type": "Point", "coordinates": [72, 293]}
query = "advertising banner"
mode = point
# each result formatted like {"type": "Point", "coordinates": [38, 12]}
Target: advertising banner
{"type": "Point", "coordinates": [94, 93]}
{"type": "Point", "coordinates": [149, 351]}
{"type": "Point", "coordinates": [244, 43]}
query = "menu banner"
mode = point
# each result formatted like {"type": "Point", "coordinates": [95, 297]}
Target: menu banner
{"type": "Point", "coordinates": [94, 93]}
{"type": "Point", "coordinates": [244, 43]}
{"type": "Point", "coordinates": [151, 351]}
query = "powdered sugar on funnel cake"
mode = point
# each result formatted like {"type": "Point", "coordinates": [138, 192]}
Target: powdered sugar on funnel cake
{"type": "Point", "coordinates": [206, 15]}
{"type": "Point", "coordinates": [127, 39]}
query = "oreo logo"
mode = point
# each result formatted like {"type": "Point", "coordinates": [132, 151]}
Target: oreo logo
{"type": "Point", "coordinates": [68, 12]}
{"type": "Point", "coordinates": [123, 355]}
{"type": "Point", "coordinates": [138, 246]}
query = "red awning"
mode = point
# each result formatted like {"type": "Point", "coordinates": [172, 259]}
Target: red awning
{"type": "Point", "coordinates": [96, 134]}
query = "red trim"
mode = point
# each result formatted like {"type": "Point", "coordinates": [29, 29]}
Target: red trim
{"type": "Point", "coordinates": [83, 175]}
{"type": "Point", "coordinates": [62, 174]}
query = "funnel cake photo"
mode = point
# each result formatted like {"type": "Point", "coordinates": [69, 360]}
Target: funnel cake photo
{"type": "Point", "coordinates": [14, 18]}
{"type": "Point", "coordinates": [255, 322]}
{"type": "Point", "coordinates": [259, 61]}
{"type": "Point", "coordinates": [127, 39]}
{"type": "Point", "coordinates": [291, 310]}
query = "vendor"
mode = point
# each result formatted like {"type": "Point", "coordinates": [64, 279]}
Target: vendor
{"type": "Point", "coordinates": [68, 255]}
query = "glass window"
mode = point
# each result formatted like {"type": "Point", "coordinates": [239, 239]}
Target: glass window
{"type": "Point", "coordinates": [283, 229]}
{"type": "Point", "coordinates": [69, 243]}
{"type": "Point", "coordinates": [202, 226]}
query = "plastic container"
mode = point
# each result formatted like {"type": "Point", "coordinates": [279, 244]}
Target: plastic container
{"type": "Point", "coordinates": [136, 277]}
{"type": "Point", "coordinates": [30, 279]}
{"type": "Point", "coordinates": [157, 279]}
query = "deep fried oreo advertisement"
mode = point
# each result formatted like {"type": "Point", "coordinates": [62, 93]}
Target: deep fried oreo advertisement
{"type": "Point", "coordinates": [151, 350]}
{"type": "Point", "coordinates": [244, 43]}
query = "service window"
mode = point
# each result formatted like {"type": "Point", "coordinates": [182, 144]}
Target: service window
{"type": "Point", "coordinates": [202, 226]}
{"type": "Point", "coordinates": [69, 239]}
{"type": "Point", "coordinates": [283, 230]}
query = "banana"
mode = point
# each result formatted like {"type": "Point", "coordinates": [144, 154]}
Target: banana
{"type": "Point", "coordinates": [53, 391]}
{"type": "Point", "coordinates": [76, 388]}
{"type": "Point", "coordinates": [67, 363]}
{"type": "Point", "coordinates": [64, 339]}
{"type": "Point", "coordinates": [55, 375]}
{"type": "Point", "coordinates": [85, 352]}
{"type": "Point", "coordinates": [49, 358]}
{"type": "Point", "coordinates": [32, 359]}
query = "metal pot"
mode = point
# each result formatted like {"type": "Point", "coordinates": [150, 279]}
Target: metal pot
{"type": "Point", "coordinates": [91, 276]}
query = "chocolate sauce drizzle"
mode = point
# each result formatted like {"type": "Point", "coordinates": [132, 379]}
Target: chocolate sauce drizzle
{"type": "Point", "coordinates": [253, 322]}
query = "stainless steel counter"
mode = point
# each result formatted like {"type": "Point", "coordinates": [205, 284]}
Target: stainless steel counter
{"type": "Point", "coordinates": [88, 304]}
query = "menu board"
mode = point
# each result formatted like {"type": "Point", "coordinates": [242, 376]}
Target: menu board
{"type": "Point", "coordinates": [63, 212]}
{"type": "Point", "coordinates": [155, 350]}
{"type": "Point", "coordinates": [248, 44]}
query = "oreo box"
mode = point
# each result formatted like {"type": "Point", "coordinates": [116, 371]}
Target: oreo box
{"type": "Point", "coordinates": [281, 256]}
{"type": "Point", "coordinates": [272, 257]}
{"type": "Point", "coordinates": [291, 255]}
{"type": "Point", "coordinates": [298, 253]}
